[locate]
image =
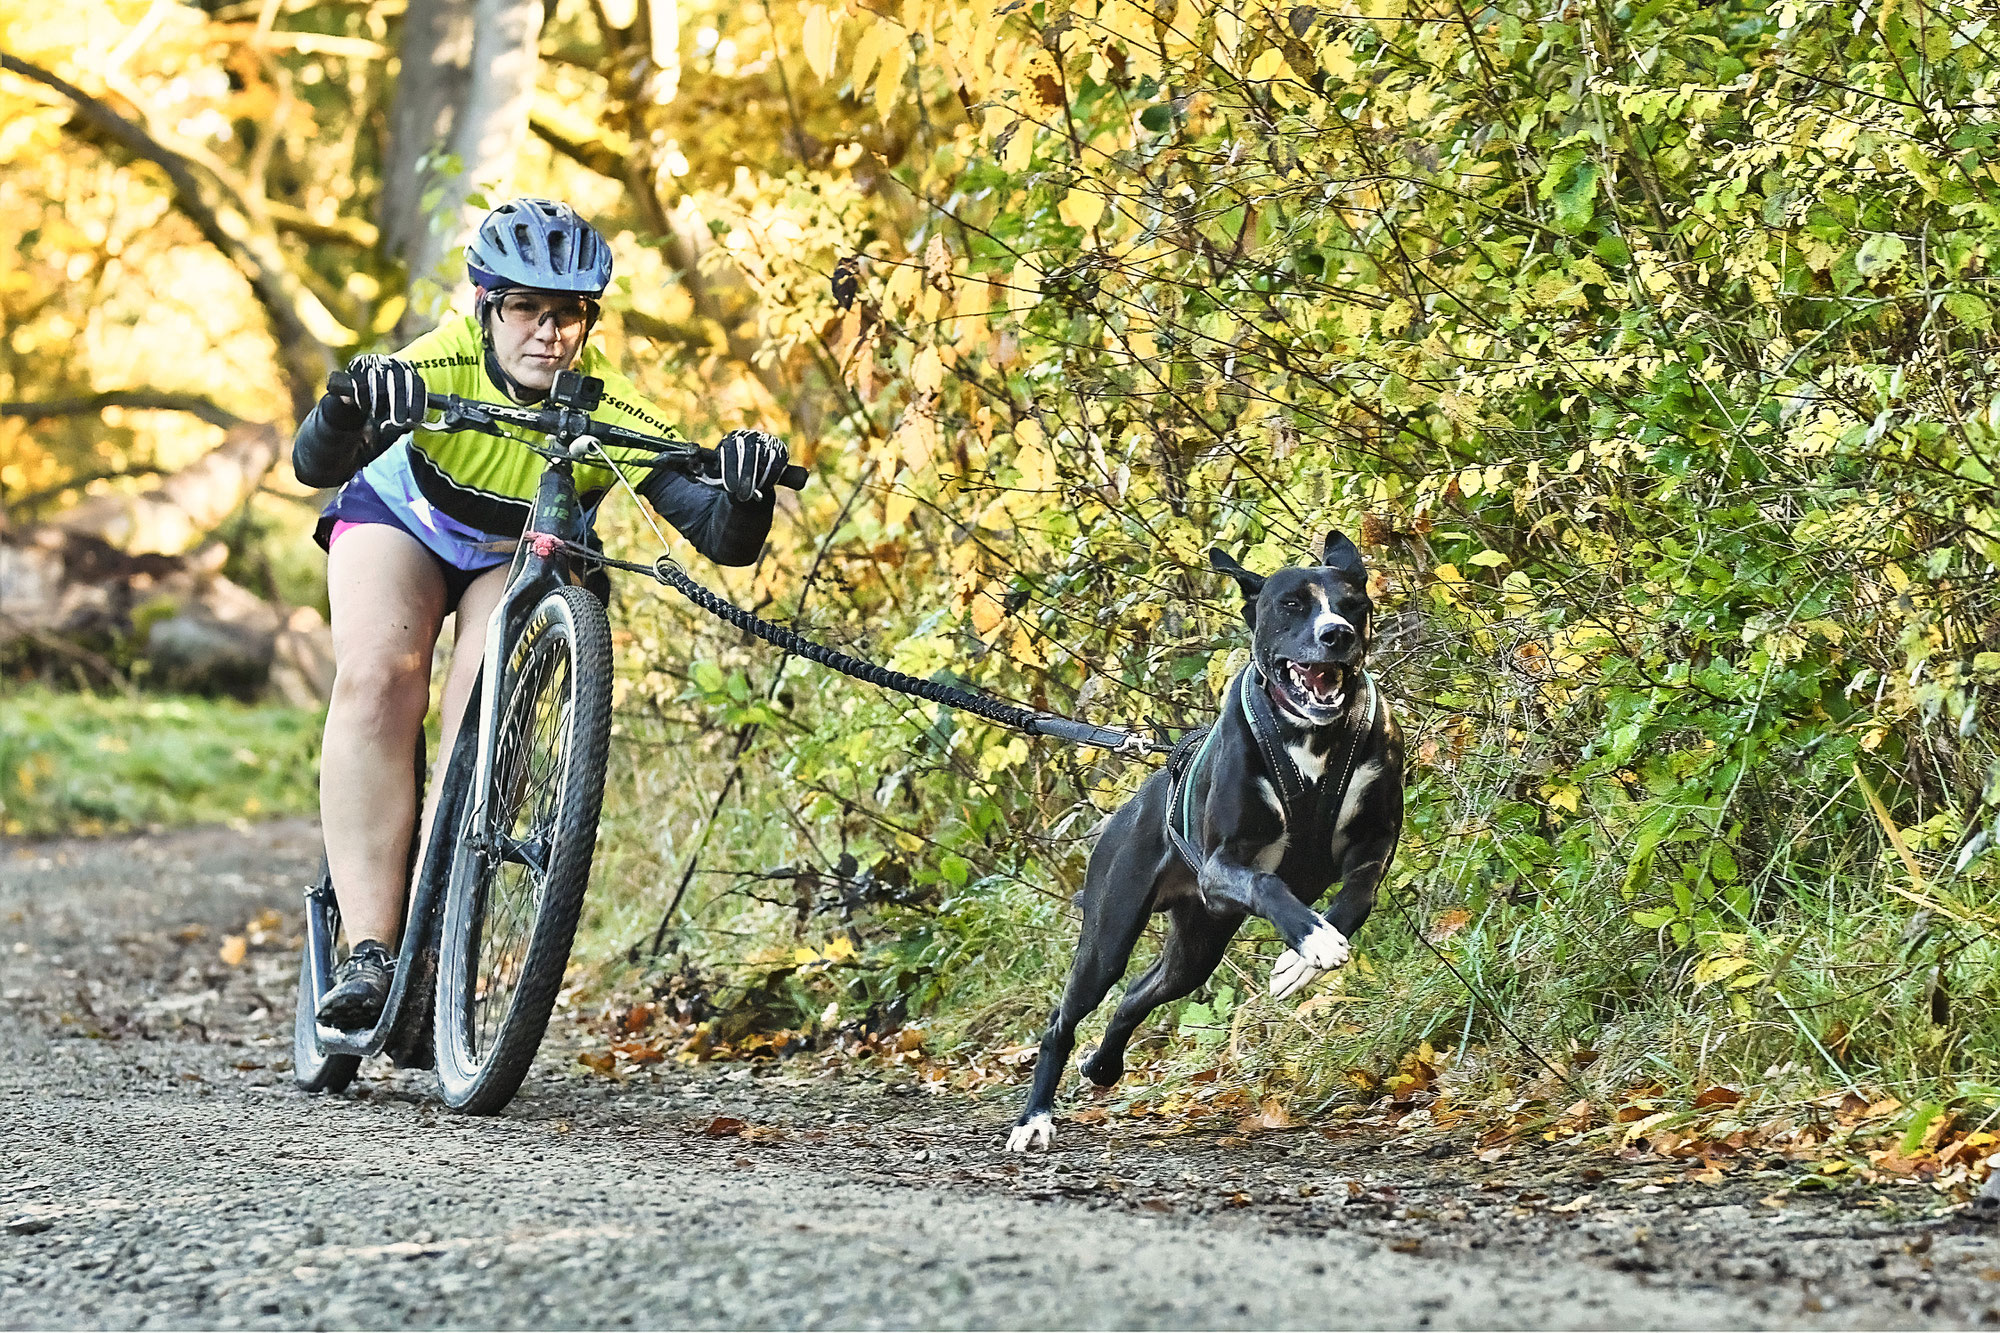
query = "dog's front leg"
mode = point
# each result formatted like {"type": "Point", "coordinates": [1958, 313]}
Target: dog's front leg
{"type": "Point", "coordinates": [1314, 945]}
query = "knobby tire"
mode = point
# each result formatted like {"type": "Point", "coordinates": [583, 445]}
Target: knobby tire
{"type": "Point", "coordinates": [510, 913]}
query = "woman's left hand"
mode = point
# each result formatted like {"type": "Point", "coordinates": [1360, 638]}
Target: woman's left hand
{"type": "Point", "coordinates": [749, 461]}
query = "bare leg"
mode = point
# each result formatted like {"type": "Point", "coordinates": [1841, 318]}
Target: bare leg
{"type": "Point", "coordinates": [388, 603]}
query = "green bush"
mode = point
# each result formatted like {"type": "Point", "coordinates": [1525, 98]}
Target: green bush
{"type": "Point", "coordinates": [1647, 350]}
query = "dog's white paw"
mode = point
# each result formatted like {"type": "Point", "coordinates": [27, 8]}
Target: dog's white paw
{"type": "Point", "coordinates": [1034, 1136]}
{"type": "Point", "coordinates": [1320, 952]}
{"type": "Point", "coordinates": [1325, 948]}
{"type": "Point", "coordinates": [1289, 973]}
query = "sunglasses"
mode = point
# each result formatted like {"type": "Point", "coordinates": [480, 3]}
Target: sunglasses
{"type": "Point", "coordinates": [524, 311]}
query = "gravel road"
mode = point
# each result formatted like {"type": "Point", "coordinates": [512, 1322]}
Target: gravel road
{"type": "Point", "coordinates": [161, 1171]}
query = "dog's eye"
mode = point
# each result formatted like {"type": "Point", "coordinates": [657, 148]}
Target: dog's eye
{"type": "Point", "coordinates": [1291, 605]}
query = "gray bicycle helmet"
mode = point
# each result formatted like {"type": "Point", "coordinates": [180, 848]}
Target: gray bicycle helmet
{"type": "Point", "coordinates": [538, 243]}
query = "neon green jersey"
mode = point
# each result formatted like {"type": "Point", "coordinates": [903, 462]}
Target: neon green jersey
{"type": "Point", "coordinates": [489, 483]}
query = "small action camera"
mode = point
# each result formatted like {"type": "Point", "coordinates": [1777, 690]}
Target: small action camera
{"type": "Point", "coordinates": [573, 390]}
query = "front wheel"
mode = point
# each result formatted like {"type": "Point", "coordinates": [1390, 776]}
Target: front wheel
{"type": "Point", "coordinates": [520, 855]}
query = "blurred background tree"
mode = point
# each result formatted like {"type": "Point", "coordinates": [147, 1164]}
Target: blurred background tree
{"type": "Point", "coordinates": [1646, 348]}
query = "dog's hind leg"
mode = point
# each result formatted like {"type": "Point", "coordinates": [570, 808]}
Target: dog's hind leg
{"type": "Point", "coordinates": [1114, 912]}
{"type": "Point", "coordinates": [1194, 946]}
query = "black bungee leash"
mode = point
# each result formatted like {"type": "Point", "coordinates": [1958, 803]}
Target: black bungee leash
{"type": "Point", "coordinates": [1028, 721]}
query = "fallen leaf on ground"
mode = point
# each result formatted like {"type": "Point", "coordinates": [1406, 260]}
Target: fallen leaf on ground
{"type": "Point", "coordinates": [640, 1052]}
{"type": "Point", "coordinates": [234, 947]}
{"type": "Point", "coordinates": [1576, 1205]}
{"type": "Point", "coordinates": [1717, 1096]}
{"type": "Point", "coordinates": [601, 1061]}
{"type": "Point", "coordinates": [723, 1127]}
{"type": "Point", "coordinates": [1448, 924]}
{"type": "Point", "coordinates": [1271, 1115]}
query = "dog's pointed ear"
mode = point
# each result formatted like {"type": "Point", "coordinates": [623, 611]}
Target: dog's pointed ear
{"type": "Point", "coordinates": [1251, 584]}
{"type": "Point", "coordinates": [1340, 553]}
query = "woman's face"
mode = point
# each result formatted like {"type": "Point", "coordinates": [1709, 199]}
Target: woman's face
{"type": "Point", "coordinates": [536, 334]}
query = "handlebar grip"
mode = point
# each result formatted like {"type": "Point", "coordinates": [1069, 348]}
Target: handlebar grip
{"type": "Point", "coordinates": [340, 384]}
{"type": "Point", "coordinates": [793, 478]}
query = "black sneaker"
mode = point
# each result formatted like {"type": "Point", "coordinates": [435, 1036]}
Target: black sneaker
{"type": "Point", "coordinates": [360, 988]}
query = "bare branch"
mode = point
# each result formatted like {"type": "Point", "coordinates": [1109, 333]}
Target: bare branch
{"type": "Point", "coordinates": [137, 399]}
{"type": "Point", "coordinates": [690, 337]}
{"type": "Point", "coordinates": [303, 327]}
{"type": "Point", "coordinates": [35, 499]}
{"type": "Point", "coordinates": [585, 150]}
{"type": "Point", "coordinates": [358, 232]}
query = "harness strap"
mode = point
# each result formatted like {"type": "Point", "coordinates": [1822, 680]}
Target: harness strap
{"type": "Point", "coordinates": [1331, 790]}
{"type": "Point", "coordinates": [1294, 796]}
{"type": "Point", "coordinates": [1182, 765]}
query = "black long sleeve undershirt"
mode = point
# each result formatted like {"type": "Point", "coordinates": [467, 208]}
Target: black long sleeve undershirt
{"type": "Point", "coordinates": [332, 444]}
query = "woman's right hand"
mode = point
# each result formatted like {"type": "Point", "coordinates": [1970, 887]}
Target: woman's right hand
{"type": "Point", "coordinates": [390, 393]}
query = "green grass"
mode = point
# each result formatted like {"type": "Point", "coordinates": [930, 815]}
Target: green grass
{"type": "Point", "coordinates": [89, 764]}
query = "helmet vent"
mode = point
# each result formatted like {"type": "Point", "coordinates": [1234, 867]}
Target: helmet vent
{"type": "Point", "coordinates": [538, 243]}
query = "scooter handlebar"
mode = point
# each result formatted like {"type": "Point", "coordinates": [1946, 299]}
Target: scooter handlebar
{"type": "Point", "coordinates": [678, 453]}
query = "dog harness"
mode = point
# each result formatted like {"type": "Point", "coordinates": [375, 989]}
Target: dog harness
{"type": "Point", "coordinates": [1308, 807]}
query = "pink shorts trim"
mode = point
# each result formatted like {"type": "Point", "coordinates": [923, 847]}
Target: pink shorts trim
{"type": "Point", "coordinates": [340, 526]}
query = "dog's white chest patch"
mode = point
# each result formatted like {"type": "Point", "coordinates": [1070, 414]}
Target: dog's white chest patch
{"type": "Point", "coordinates": [1357, 789]}
{"type": "Point", "coordinates": [1270, 795]}
{"type": "Point", "coordinates": [1364, 778]}
{"type": "Point", "coordinates": [1272, 856]}
{"type": "Point", "coordinates": [1310, 765]}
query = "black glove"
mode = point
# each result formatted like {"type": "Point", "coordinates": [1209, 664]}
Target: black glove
{"type": "Point", "coordinates": [749, 461]}
{"type": "Point", "coordinates": [389, 392]}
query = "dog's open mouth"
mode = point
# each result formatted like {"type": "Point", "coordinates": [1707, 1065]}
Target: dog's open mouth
{"type": "Point", "coordinates": [1312, 687]}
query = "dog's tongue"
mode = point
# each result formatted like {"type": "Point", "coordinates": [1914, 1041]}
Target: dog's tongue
{"type": "Point", "coordinates": [1321, 680]}
{"type": "Point", "coordinates": [1318, 683]}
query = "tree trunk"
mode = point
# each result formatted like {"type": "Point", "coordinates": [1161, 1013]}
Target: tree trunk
{"type": "Point", "coordinates": [468, 76]}
{"type": "Point", "coordinates": [183, 508]}
{"type": "Point", "coordinates": [430, 93]}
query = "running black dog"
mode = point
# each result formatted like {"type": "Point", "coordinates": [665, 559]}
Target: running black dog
{"type": "Point", "coordinates": [1298, 784]}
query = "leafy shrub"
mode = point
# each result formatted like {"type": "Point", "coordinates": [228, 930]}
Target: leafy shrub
{"type": "Point", "coordinates": [1647, 351]}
